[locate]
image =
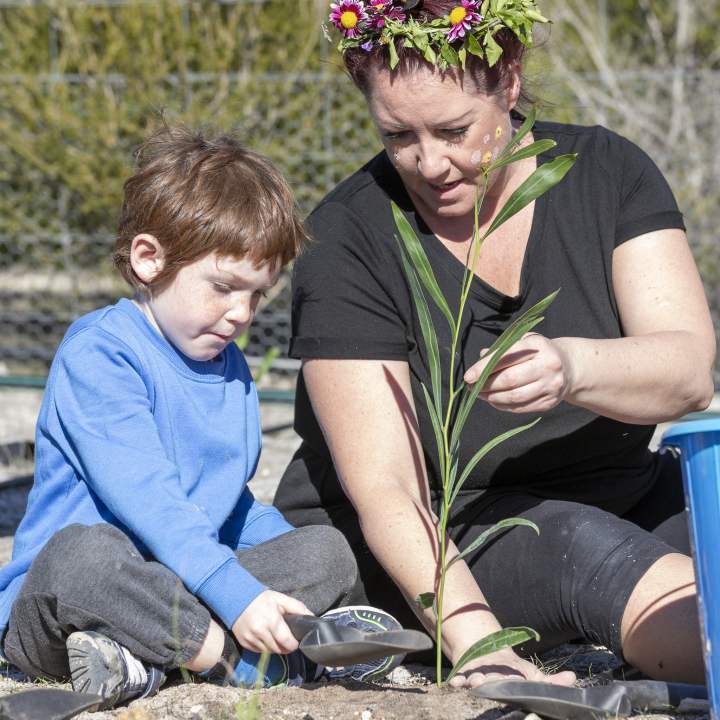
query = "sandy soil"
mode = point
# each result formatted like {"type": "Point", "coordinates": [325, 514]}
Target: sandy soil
{"type": "Point", "coordinates": [408, 693]}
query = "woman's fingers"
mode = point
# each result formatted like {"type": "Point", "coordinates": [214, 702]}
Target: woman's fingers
{"type": "Point", "coordinates": [506, 665]}
{"type": "Point", "coordinates": [566, 678]}
{"type": "Point", "coordinates": [532, 377]}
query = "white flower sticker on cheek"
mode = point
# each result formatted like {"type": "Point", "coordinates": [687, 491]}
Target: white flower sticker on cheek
{"type": "Point", "coordinates": [486, 139]}
{"type": "Point", "coordinates": [479, 158]}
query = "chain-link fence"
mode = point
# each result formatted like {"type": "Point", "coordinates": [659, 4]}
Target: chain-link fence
{"type": "Point", "coordinates": [69, 119]}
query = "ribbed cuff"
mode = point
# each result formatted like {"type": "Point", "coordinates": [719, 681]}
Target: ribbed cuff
{"type": "Point", "coordinates": [265, 527]}
{"type": "Point", "coordinates": [229, 590]}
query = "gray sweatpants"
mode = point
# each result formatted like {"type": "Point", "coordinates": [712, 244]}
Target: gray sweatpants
{"type": "Point", "coordinates": [93, 578]}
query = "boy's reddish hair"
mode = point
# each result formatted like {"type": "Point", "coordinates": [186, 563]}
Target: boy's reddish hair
{"type": "Point", "coordinates": [199, 194]}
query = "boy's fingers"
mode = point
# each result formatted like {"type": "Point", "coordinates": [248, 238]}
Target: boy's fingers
{"type": "Point", "coordinates": [286, 640]}
{"type": "Point", "coordinates": [291, 605]}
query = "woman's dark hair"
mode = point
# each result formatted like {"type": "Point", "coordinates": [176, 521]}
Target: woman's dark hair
{"type": "Point", "coordinates": [360, 64]}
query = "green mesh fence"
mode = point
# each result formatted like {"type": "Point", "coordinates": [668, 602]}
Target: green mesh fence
{"type": "Point", "coordinates": [81, 83]}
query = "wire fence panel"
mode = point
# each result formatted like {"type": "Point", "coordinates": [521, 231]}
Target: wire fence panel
{"type": "Point", "coordinates": [81, 83]}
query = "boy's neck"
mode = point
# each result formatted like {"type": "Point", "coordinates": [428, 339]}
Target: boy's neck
{"type": "Point", "coordinates": [142, 304]}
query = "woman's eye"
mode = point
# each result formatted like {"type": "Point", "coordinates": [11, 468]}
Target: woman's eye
{"type": "Point", "coordinates": [455, 132]}
{"type": "Point", "coordinates": [394, 135]}
{"type": "Point", "coordinates": [222, 288]}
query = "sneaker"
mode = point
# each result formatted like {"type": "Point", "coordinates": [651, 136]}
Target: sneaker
{"type": "Point", "coordinates": [100, 666]}
{"type": "Point", "coordinates": [368, 620]}
{"type": "Point", "coordinates": [278, 670]}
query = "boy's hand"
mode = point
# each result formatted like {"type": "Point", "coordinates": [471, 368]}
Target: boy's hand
{"type": "Point", "coordinates": [262, 627]}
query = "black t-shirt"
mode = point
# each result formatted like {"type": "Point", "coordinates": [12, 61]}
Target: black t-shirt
{"type": "Point", "coordinates": [351, 300]}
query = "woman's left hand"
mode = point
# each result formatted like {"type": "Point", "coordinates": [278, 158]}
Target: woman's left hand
{"type": "Point", "coordinates": [533, 376]}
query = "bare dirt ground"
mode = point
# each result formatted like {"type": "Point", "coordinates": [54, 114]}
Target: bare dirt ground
{"type": "Point", "coordinates": [408, 694]}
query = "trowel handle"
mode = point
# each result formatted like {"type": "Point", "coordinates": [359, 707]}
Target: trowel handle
{"type": "Point", "coordinates": [656, 695]}
{"type": "Point", "coordinates": [301, 625]}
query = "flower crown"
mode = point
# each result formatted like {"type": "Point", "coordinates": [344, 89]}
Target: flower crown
{"type": "Point", "coordinates": [469, 28]}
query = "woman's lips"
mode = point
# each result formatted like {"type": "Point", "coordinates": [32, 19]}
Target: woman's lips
{"type": "Point", "coordinates": [443, 188]}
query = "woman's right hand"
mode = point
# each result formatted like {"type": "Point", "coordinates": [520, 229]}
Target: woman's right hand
{"type": "Point", "coordinates": [506, 665]}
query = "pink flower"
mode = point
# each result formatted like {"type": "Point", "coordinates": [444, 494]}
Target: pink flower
{"type": "Point", "coordinates": [462, 17]}
{"type": "Point", "coordinates": [381, 10]}
{"type": "Point", "coordinates": [349, 16]}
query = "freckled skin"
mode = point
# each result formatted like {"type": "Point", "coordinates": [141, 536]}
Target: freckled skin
{"type": "Point", "coordinates": [432, 127]}
{"type": "Point", "coordinates": [208, 304]}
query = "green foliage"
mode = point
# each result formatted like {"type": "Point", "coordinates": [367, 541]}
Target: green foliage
{"type": "Point", "coordinates": [459, 394]}
{"type": "Point", "coordinates": [81, 85]}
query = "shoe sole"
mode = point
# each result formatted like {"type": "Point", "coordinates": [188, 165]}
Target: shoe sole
{"type": "Point", "coordinates": [91, 669]}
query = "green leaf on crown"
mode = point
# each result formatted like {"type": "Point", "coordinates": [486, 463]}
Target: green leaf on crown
{"type": "Point", "coordinates": [474, 47]}
{"type": "Point", "coordinates": [492, 50]}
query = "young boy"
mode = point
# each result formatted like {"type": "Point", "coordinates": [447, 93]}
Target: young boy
{"type": "Point", "coordinates": [142, 549]}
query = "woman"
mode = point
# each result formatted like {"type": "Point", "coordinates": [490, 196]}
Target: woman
{"type": "Point", "coordinates": [627, 343]}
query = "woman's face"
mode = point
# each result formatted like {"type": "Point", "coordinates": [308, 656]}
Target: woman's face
{"type": "Point", "coordinates": [438, 134]}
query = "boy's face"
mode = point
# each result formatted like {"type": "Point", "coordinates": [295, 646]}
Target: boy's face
{"type": "Point", "coordinates": [209, 303]}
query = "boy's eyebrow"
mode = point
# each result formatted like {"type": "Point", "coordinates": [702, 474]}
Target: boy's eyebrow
{"type": "Point", "coordinates": [231, 277]}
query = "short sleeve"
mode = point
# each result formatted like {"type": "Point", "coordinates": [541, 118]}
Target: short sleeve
{"type": "Point", "coordinates": [345, 292]}
{"type": "Point", "coordinates": [646, 201]}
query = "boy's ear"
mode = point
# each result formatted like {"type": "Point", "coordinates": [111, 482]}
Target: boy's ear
{"type": "Point", "coordinates": [147, 257]}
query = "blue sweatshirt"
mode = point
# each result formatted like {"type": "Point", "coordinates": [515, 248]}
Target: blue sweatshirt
{"type": "Point", "coordinates": [133, 433]}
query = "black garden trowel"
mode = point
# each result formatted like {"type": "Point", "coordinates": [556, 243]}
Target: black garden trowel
{"type": "Point", "coordinates": [332, 645]}
{"type": "Point", "coordinates": [617, 699]}
{"type": "Point", "coordinates": [46, 704]}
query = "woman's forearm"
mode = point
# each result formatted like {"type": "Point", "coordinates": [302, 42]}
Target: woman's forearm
{"type": "Point", "coordinates": [643, 379]}
{"type": "Point", "coordinates": [402, 535]}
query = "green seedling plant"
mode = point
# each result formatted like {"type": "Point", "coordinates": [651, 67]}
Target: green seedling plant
{"type": "Point", "coordinates": [449, 413]}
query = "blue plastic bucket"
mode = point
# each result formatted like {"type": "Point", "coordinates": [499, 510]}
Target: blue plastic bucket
{"type": "Point", "coordinates": [699, 446]}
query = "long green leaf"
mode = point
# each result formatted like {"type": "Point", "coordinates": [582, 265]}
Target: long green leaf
{"type": "Point", "coordinates": [427, 330]}
{"type": "Point", "coordinates": [483, 451]}
{"type": "Point", "coordinates": [545, 177]}
{"type": "Point", "coordinates": [509, 637]}
{"type": "Point", "coordinates": [523, 130]}
{"type": "Point", "coordinates": [437, 428]}
{"type": "Point", "coordinates": [425, 600]}
{"type": "Point", "coordinates": [531, 150]}
{"type": "Point", "coordinates": [497, 527]}
{"type": "Point", "coordinates": [421, 263]}
{"type": "Point", "coordinates": [508, 339]}
{"type": "Point", "coordinates": [531, 317]}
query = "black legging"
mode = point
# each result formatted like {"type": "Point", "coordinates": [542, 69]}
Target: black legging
{"type": "Point", "coordinates": [572, 581]}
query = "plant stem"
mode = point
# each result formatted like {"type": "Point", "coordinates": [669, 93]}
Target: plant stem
{"type": "Point", "coordinates": [470, 262]}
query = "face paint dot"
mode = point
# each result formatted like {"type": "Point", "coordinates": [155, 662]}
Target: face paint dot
{"type": "Point", "coordinates": [498, 132]}
{"type": "Point", "coordinates": [477, 157]}
{"type": "Point", "coordinates": [486, 139]}
{"type": "Point", "coordinates": [495, 152]}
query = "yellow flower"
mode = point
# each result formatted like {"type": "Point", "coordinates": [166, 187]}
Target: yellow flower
{"type": "Point", "coordinates": [457, 15]}
{"type": "Point", "coordinates": [487, 158]}
{"type": "Point", "coordinates": [498, 132]}
{"type": "Point", "coordinates": [349, 20]}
